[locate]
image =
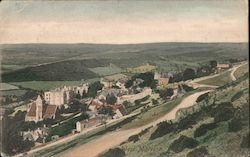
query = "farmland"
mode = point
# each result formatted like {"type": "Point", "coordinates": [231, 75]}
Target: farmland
{"type": "Point", "coordinates": [48, 85]}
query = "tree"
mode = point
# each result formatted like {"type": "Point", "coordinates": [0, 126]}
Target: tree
{"type": "Point", "coordinates": [93, 88]}
{"type": "Point", "coordinates": [166, 93]}
{"type": "Point", "coordinates": [106, 110]}
{"type": "Point", "coordinates": [129, 83]}
{"type": "Point", "coordinates": [188, 74]}
{"type": "Point", "coordinates": [213, 64]}
{"type": "Point", "coordinates": [111, 99]}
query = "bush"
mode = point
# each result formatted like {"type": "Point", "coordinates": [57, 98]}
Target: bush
{"type": "Point", "coordinates": [183, 142]}
{"type": "Point", "coordinates": [234, 125]}
{"type": "Point", "coordinates": [202, 130]}
{"type": "Point", "coordinates": [133, 138]}
{"type": "Point", "coordinates": [237, 96]}
{"type": "Point", "coordinates": [163, 129]}
{"type": "Point", "coordinates": [223, 112]}
{"type": "Point", "coordinates": [245, 143]}
{"type": "Point", "coordinates": [202, 97]}
{"type": "Point", "coordinates": [116, 152]}
{"type": "Point", "coordinates": [199, 152]}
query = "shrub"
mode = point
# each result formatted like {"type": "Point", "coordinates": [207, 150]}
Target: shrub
{"type": "Point", "coordinates": [237, 96]}
{"type": "Point", "coordinates": [133, 138]}
{"type": "Point", "coordinates": [202, 130]}
{"type": "Point", "coordinates": [202, 97]}
{"type": "Point", "coordinates": [245, 143]}
{"type": "Point", "coordinates": [223, 112]}
{"type": "Point", "coordinates": [183, 142]}
{"type": "Point", "coordinates": [116, 152]}
{"type": "Point", "coordinates": [198, 152]}
{"type": "Point", "coordinates": [163, 129]}
{"type": "Point", "coordinates": [234, 125]}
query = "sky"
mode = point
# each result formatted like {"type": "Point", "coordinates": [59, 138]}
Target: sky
{"type": "Point", "coordinates": [123, 22]}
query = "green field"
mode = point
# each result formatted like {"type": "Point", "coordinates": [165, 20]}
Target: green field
{"type": "Point", "coordinates": [16, 92]}
{"type": "Point", "coordinates": [241, 71]}
{"type": "Point", "coordinates": [48, 85]}
{"type": "Point", "coordinates": [108, 70]}
{"type": "Point", "coordinates": [6, 86]}
{"type": "Point", "coordinates": [218, 80]}
{"type": "Point", "coordinates": [141, 69]}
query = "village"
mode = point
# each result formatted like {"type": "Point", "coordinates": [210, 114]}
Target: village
{"type": "Point", "coordinates": [90, 105]}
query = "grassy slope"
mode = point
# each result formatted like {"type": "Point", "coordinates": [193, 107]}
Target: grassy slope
{"type": "Point", "coordinates": [241, 71]}
{"type": "Point", "coordinates": [47, 85]}
{"type": "Point", "coordinates": [219, 80]}
{"type": "Point", "coordinates": [219, 141]}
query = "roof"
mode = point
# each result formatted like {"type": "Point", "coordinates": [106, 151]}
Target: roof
{"type": "Point", "coordinates": [50, 111]}
{"type": "Point", "coordinates": [223, 65]}
{"type": "Point", "coordinates": [32, 111]}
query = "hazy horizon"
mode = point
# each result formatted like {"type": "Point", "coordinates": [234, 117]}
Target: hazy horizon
{"type": "Point", "coordinates": [124, 22]}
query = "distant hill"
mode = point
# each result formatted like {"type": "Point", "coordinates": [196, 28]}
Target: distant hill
{"type": "Point", "coordinates": [27, 62]}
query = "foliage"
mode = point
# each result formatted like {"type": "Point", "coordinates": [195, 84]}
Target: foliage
{"type": "Point", "coordinates": [107, 110]}
{"type": "Point", "coordinates": [189, 74]}
{"type": "Point", "coordinates": [202, 97]}
{"type": "Point", "coordinates": [213, 64]}
{"type": "Point", "coordinates": [234, 125]}
{"type": "Point", "coordinates": [115, 152]}
{"type": "Point", "coordinates": [133, 138]}
{"type": "Point", "coordinates": [183, 142]}
{"type": "Point", "coordinates": [111, 99]}
{"type": "Point", "coordinates": [93, 88]}
{"type": "Point", "coordinates": [162, 129]}
{"type": "Point", "coordinates": [237, 96]}
{"type": "Point", "coordinates": [166, 93]}
{"type": "Point", "coordinates": [223, 112]}
{"type": "Point", "coordinates": [198, 152]}
{"type": "Point", "coordinates": [202, 130]}
{"type": "Point", "coordinates": [245, 143]}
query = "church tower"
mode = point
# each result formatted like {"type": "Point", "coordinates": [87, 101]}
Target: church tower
{"type": "Point", "coordinates": [39, 108]}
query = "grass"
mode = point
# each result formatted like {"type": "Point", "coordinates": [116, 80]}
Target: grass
{"type": "Point", "coordinates": [218, 80]}
{"type": "Point", "coordinates": [16, 92]}
{"type": "Point", "coordinates": [141, 69]}
{"type": "Point", "coordinates": [48, 85]}
{"type": "Point", "coordinates": [6, 86]}
{"type": "Point", "coordinates": [154, 113]}
{"type": "Point", "coordinates": [108, 70]}
{"type": "Point", "coordinates": [241, 71]}
{"type": "Point", "coordinates": [114, 77]}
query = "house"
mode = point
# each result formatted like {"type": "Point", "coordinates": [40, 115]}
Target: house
{"type": "Point", "coordinates": [120, 111]}
{"type": "Point", "coordinates": [221, 67]}
{"type": "Point", "coordinates": [59, 96]}
{"type": "Point", "coordinates": [95, 104]}
{"type": "Point", "coordinates": [132, 97]}
{"type": "Point", "coordinates": [83, 89]}
{"type": "Point", "coordinates": [93, 121]}
{"type": "Point", "coordinates": [38, 111]}
{"type": "Point", "coordinates": [162, 78]}
{"type": "Point", "coordinates": [38, 136]}
{"type": "Point", "coordinates": [163, 82]}
{"type": "Point", "coordinates": [107, 83]}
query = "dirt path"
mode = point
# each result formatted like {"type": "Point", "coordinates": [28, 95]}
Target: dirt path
{"type": "Point", "coordinates": [233, 71]}
{"type": "Point", "coordinates": [110, 140]}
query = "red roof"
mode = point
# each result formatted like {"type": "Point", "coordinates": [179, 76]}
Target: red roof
{"type": "Point", "coordinates": [32, 111]}
{"type": "Point", "coordinates": [50, 111]}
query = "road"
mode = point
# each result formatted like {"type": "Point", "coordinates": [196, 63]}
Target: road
{"type": "Point", "coordinates": [194, 83]}
{"type": "Point", "coordinates": [234, 69]}
{"type": "Point", "coordinates": [110, 140]}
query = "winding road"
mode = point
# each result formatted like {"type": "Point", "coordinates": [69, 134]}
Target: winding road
{"type": "Point", "coordinates": [110, 140]}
